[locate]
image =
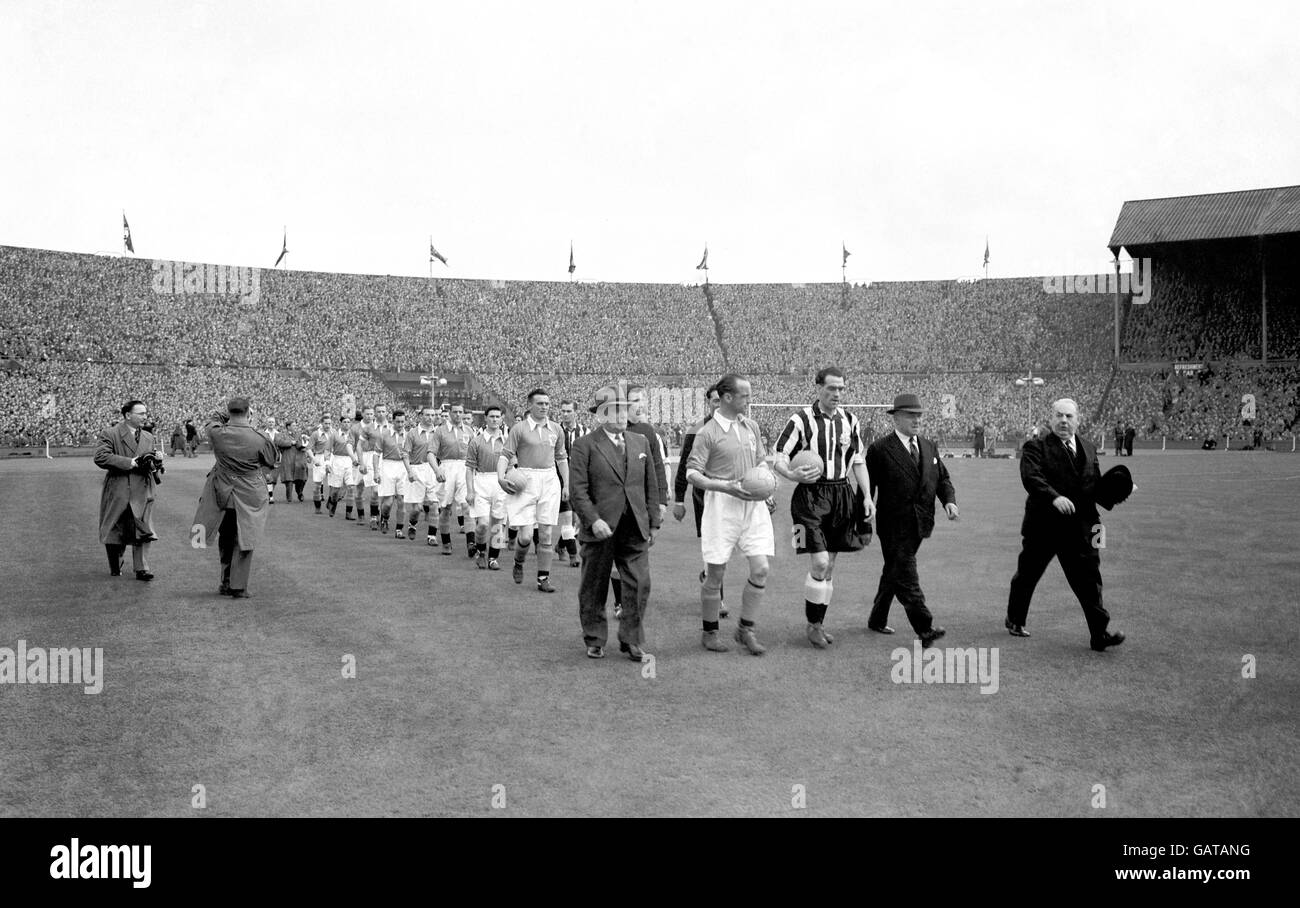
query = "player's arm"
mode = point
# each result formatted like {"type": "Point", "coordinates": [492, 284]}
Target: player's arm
{"type": "Point", "coordinates": [788, 444]}
{"type": "Point", "coordinates": [679, 479]}
{"type": "Point", "coordinates": [562, 465]}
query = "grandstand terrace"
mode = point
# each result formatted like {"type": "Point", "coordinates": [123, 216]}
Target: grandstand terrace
{"type": "Point", "coordinates": [79, 333]}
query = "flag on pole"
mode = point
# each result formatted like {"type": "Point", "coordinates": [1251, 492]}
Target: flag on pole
{"type": "Point", "coordinates": [426, 379]}
{"type": "Point", "coordinates": [284, 249]}
{"type": "Point", "coordinates": [845, 251]}
{"type": "Point", "coordinates": [572, 266]}
{"type": "Point", "coordinates": [704, 262]}
{"type": "Point", "coordinates": [435, 254]}
{"type": "Point", "coordinates": [126, 235]}
{"type": "Point", "coordinates": [986, 252]}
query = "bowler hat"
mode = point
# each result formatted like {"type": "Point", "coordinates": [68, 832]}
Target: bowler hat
{"type": "Point", "coordinates": [1115, 486]}
{"type": "Point", "coordinates": [908, 403]}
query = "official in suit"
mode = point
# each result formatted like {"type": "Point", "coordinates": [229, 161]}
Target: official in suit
{"type": "Point", "coordinates": [234, 506]}
{"type": "Point", "coordinates": [615, 493]}
{"type": "Point", "coordinates": [1060, 473]}
{"type": "Point", "coordinates": [126, 502]}
{"type": "Point", "coordinates": [907, 475]}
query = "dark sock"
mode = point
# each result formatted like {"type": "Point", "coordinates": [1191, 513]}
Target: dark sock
{"type": "Point", "coordinates": [460, 521]}
{"type": "Point", "coordinates": [446, 539]}
{"type": "Point", "coordinates": [514, 534]}
{"type": "Point", "coordinates": [494, 554]}
{"type": "Point", "coordinates": [543, 575]}
{"type": "Point", "coordinates": [815, 612]}
{"type": "Point", "coordinates": [710, 625]}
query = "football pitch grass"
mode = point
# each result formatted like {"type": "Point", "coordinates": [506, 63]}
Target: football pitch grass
{"type": "Point", "coordinates": [466, 682]}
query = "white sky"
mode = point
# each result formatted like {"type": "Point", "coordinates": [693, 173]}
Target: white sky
{"type": "Point", "coordinates": [638, 130]}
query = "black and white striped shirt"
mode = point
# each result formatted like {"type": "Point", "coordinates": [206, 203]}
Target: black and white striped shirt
{"type": "Point", "coordinates": [836, 439]}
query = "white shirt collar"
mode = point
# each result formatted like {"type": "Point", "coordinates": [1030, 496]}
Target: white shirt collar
{"type": "Point", "coordinates": [723, 421]}
{"type": "Point", "coordinates": [532, 423]}
{"type": "Point", "coordinates": [906, 440]}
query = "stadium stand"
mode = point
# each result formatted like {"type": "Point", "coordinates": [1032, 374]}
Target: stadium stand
{"type": "Point", "coordinates": [79, 333]}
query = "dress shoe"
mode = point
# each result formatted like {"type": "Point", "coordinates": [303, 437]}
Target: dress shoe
{"type": "Point", "coordinates": [885, 629]}
{"type": "Point", "coordinates": [517, 572]}
{"type": "Point", "coordinates": [933, 634]}
{"type": "Point", "coordinates": [746, 637]}
{"type": "Point", "coordinates": [817, 637]}
{"type": "Point", "coordinates": [632, 651]}
{"type": "Point", "coordinates": [1108, 639]}
{"type": "Point", "coordinates": [1017, 630]}
{"type": "Point", "coordinates": [544, 586]}
{"type": "Point", "coordinates": [240, 594]}
{"type": "Point", "coordinates": [711, 641]}
{"type": "Point", "coordinates": [595, 652]}
{"type": "Point", "coordinates": [223, 590]}
{"type": "Point", "coordinates": [144, 575]}
{"type": "Point", "coordinates": [115, 572]}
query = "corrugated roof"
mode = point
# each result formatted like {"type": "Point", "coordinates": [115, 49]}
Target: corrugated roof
{"type": "Point", "coordinates": [1218, 216]}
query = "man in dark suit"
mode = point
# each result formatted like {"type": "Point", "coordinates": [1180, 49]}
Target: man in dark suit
{"type": "Point", "coordinates": [1130, 433]}
{"type": "Point", "coordinates": [126, 503]}
{"type": "Point", "coordinates": [1060, 472]}
{"type": "Point", "coordinates": [615, 493]}
{"type": "Point", "coordinates": [907, 475]}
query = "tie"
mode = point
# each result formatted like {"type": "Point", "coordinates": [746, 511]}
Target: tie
{"type": "Point", "coordinates": [915, 451]}
{"type": "Point", "coordinates": [618, 440]}
{"type": "Point", "coordinates": [137, 436]}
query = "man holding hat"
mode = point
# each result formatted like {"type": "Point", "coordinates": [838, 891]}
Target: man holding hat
{"type": "Point", "coordinates": [233, 505]}
{"type": "Point", "coordinates": [126, 452]}
{"type": "Point", "coordinates": [1065, 484]}
{"type": "Point", "coordinates": [907, 475]}
{"type": "Point", "coordinates": [615, 493]}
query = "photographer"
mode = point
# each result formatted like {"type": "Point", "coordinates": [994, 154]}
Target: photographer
{"type": "Point", "coordinates": [126, 451]}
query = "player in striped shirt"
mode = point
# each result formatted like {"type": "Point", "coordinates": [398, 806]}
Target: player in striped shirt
{"type": "Point", "coordinates": [821, 508]}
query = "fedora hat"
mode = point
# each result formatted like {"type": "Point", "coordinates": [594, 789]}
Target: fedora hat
{"type": "Point", "coordinates": [1115, 487]}
{"type": "Point", "coordinates": [908, 403]}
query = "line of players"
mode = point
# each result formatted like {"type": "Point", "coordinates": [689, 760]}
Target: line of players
{"type": "Point", "coordinates": [391, 470]}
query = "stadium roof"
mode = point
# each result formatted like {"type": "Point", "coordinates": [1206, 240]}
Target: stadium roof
{"type": "Point", "coordinates": [1218, 216]}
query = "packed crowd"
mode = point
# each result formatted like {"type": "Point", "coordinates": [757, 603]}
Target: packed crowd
{"type": "Point", "coordinates": [917, 326]}
{"type": "Point", "coordinates": [71, 326]}
{"type": "Point", "coordinates": [1208, 404]}
{"type": "Point", "coordinates": [69, 403]}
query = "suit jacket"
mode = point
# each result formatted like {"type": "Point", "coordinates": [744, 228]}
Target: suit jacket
{"type": "Point", "coordinates": [603, 483]}
{"type": "Point", "coordinates": [238, 482]}
{"type": "Point", "coordinates": [124, 489]}
{"type": "Point", "coordinates": [905, 495]}
{"type": "Point", "coordinates": [647, 431]}
{"type": "Point", "coordinates": [1047, 471]}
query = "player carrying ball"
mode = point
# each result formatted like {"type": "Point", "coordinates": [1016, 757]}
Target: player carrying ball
{"type": "Point", "coordinates": [822, 506]}
{"type": "Point", "coordinates": [725, 448]}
